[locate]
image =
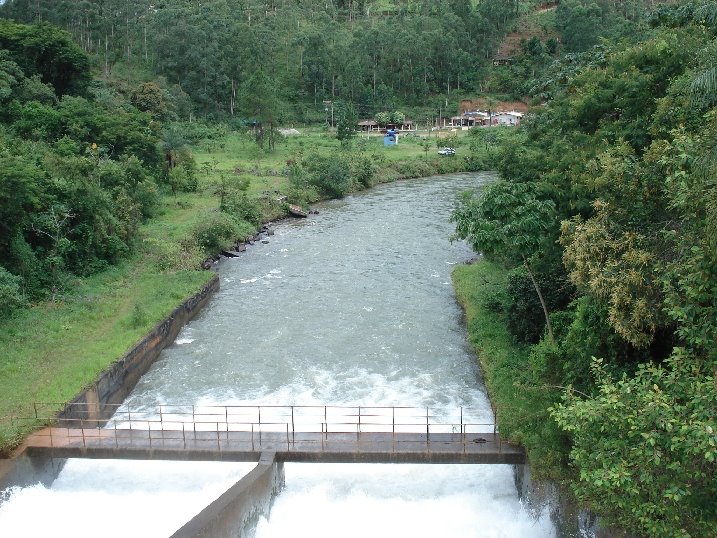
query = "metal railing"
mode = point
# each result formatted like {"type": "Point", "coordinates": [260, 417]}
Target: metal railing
{"type": "Point", "coordinates": [255, 426]}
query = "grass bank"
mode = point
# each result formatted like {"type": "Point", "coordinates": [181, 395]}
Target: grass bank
{"type": "Point", "coordinates": [521, 402]}
{"type": "Point", "coordinates": [52, 351]}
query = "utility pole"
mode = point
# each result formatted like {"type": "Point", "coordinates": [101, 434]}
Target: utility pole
{"type": "Point", "coordinates": [328, 104]}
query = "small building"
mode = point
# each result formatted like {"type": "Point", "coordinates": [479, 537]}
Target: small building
{"type": "Point", "coordinates": [502, 61]}
{"type": "Point", "coordinates": [408, 125]}
{"type": "Point", "coordinates": [368, 126]}
{"type": "Point", "coordinates": [469, 119]}
{"type": "Point", "coordinates": [507, 118]}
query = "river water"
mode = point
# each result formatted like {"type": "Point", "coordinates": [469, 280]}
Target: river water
{"type": "Point", "coordinates": [353, 306]}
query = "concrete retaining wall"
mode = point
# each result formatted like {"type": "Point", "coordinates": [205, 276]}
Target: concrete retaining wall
{"type": "Point", "coordinates": [115, 383]}
{"type": "Point", "coordinates": [229, 515]}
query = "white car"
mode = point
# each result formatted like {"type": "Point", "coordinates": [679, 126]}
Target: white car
{"type": "Point", "coordinates": [446, 151]}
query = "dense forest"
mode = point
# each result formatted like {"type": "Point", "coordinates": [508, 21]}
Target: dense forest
{"type": "Point", "coordinates": [308, 50]}
{"type": "Point", "coordinates": [604, 218]}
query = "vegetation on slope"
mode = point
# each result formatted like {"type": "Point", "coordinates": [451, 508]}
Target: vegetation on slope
{"type": "Point", "coordinates": [605, 219]}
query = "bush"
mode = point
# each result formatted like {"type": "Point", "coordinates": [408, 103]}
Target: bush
{"type": "Point", "coordinates": [139, 316]}
{"type": "Point", "coordinates": [477, 163]}
{"type": "Point", "coordinates": [363, 170]}
{"type": "Point", "coordinates": [215, 232]}
{"type": "Point", "coordinates": [331, 174]}
{"type": "Point", "coordinates": [172, 256]}
{"type": "Point", "coordinates": [241, 207]}
{"type": "Point", "coordinates": [11, 296]}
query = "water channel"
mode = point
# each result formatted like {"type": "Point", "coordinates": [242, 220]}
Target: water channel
{"type": "Point", "coordinates": [353, 306]}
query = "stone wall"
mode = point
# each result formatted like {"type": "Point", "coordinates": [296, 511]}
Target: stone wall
{"type": "Point", "coordinates": [230, 514]}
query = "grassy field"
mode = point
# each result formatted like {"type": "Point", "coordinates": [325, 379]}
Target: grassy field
{"type": "Point", "coordinates": [52, 351]}
{"type": "Point", "coordinates": [238, 154]}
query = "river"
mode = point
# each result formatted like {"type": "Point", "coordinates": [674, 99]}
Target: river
{"type": "Point", "coordinates": [353, 306]}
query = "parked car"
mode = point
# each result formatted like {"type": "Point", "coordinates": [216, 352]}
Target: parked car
{"type": "Point", "coordinates": [446, 151]}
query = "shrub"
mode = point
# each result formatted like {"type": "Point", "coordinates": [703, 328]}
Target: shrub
{"type": "Point", "coordinates": [215, 232]}
{"type": "Point", "coordinates": [524, 313]}
{"type": "Point", "coordinates": [172, 256]}
{"type": "Point", "coordinates": [363, 170]}
{"type": "Point", "coordinates": [11, 296]}
{"type": "Point", "coordinates": [331, 174]}
{"type": "Point", "coordinates": [139, 316]}
{"type": "Point", "coordinates": [240, 206]}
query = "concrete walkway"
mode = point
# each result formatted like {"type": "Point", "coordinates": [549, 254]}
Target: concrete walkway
{"type": "Point", "coordinates": [364, 447]}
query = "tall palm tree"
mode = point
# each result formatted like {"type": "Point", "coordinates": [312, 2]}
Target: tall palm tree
{"type": "Point", "coordinates": [172, 143]}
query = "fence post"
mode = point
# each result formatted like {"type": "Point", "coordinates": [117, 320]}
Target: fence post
{"type": "Point", "coordinates": [293, 430]}
{"type": "Point", "coordinates": [428, 432]}
{"type": "Point", "coordinates": [462, 432]}
{"type": "Point", "coordinates": [393, 429]}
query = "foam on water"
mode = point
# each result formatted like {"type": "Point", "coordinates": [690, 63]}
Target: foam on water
{"type": "Point", "coordinates": [417, 501]}
{"type": "Point", "coordinates": [117, 499]}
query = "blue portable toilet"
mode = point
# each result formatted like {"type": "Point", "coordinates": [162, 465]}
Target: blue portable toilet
{"type": "Point", "coordinates": [390, 138]}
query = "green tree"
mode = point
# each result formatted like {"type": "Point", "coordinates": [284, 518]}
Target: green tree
{"type": "Point", "coordinates": [398, 117]}
{"type": "Point", "coordinates": [47, 51]}
{"type": "Point", "coordinates": [346, 122]}
{"type": "Point", "coordinates": [579, 22]}
{"type": "Point", "coordinates": [149, 97]}
{"type": "Point", "coordinates": [509, 220]}
{"type": "Point", "coordinates": [172, 144]}
{"type": "Point", "coordinates": [20, 196]}
{"type": "Point", "coordinates": [383, 118]}
{"type": "Point", "coordinates": [645, 447]}
{"type": "Point", "coordinates": [260, 103]}
{"type": "Point", "coordinates": [11, 296]}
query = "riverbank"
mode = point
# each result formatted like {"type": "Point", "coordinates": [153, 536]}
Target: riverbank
{"type": "Point", "coordinates": [52, 351]}
{"type": "Point", "coordinates": [521, 406]}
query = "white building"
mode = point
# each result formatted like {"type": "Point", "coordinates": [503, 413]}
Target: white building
{"type": "Point", "coordinates": [507, 118]}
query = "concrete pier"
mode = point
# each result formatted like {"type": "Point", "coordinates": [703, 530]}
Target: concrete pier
{"type": "Point", "coordinates": [228, 515]}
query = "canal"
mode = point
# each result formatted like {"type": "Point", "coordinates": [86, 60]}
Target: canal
{"type": "Point", "coordinates": [353, 306]}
